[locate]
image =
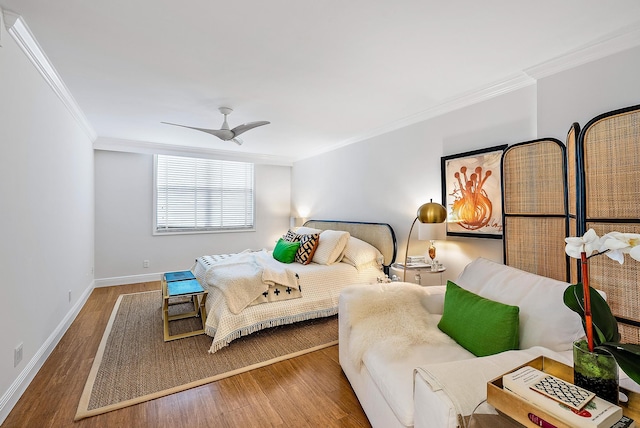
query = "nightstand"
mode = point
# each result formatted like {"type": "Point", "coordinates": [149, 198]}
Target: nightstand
{"type": "Point", "coordinates": [419, 274]}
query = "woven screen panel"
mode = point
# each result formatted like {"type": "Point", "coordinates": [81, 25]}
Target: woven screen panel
{"type": "Point", "coordinates": [572, 136]}
{"type": "Point", "coordinates": [629, 333]}
{"type": "Point", "coordinates": [532, 177]}
{"type": "Point", "coordinates": [612, 166]}
{"type": "Point", "coordinates": [535, 208]}
{"type": "Point", "coordinates": [619, 282]}
{"type": "Point", "coordinates": [535, 244]}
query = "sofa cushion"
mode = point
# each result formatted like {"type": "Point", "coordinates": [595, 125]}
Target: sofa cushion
{"type": "Point", "coordinates": [482, 326]}
{"type": "Point", "coordinates": [464, 382]}
{"type": "Point", "coordinates": [544, 318]}
{"type": "Point", "coordinates": [393, 376]}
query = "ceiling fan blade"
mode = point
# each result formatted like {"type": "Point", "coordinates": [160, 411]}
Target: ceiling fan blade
{"type": "Point", "coordinates": [247, 126]}
{"type": "Point", "coordinates": [220, 133]}
{"type": "Point", "coordinates": [238, 141]}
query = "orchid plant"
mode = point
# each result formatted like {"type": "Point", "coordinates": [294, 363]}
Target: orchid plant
{"type": "Point", "coordinates": [601, 327]}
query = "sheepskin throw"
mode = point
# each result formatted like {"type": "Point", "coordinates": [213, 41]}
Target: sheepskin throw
{"type": "Point", "coordinates": [389, 316]}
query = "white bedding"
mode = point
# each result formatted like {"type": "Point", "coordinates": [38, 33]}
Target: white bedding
{"type": "Point", "coordinates": [320, 287]}
{"type": "Point", "coordinates": [243, 278]}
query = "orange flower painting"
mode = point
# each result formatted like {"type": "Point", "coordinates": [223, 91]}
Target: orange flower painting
{"type": "Point", "coordinates": [473, 195]}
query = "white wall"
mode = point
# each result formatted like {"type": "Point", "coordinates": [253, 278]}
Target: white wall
{"type": "Point", "coordinates": [581, 93]}
{"type": "Point", "coordinates": [386, 178]}
{"type": "Point", "coordinates": [124, 220]}
{"type": "Point", "coordinates": [47, 245]}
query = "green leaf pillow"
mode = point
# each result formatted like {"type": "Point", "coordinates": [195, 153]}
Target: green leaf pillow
{"type": "Point", "coordinates": [481, 326]}
{"type": "Point", "coordinates": [285, 252]}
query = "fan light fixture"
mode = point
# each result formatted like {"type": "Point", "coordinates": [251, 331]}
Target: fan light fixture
{"type": "Point", "coordinates": [224, 133]}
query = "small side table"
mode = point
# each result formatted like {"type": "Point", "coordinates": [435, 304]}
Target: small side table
{"type": "Point", "coordinates": [185, 288]}
{"type": "Point", "coordinates": [420, 274]}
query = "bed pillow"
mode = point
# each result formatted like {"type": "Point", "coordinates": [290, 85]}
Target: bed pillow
{"type": "Point", "coordinates": [285, 251]}
{"type": "Point", "coordinates": [291, 236]}
{"type": "Point", "coordinates": [308, 247]}
{"type": "Point", "coordinates": [481, 326]}
{"type": "Point", "coordinates": [331, 247]}
{"type": "Point", "coordinates": [303, 230]}
{"type": "Point", "coordinates": [361, 254]}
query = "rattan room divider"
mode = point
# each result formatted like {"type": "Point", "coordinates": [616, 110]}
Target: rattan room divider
{"type": "Point", "coordinates": [608, 194]}
{"type": "Point", "coordinates": [535, 216]}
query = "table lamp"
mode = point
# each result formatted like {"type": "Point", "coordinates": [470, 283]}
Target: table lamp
{"type": "Point", "coordinates": [429, 213]}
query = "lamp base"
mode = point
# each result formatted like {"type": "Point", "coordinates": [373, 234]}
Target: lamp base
{"type": "Point", "coordinates": [432, 252]}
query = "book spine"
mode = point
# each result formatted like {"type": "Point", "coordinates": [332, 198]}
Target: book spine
{"type": "Point", "coordinates": [540, 422]}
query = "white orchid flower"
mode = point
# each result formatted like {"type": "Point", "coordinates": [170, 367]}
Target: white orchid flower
{"type": "Point", "coordinates": [617, 244]}
{"type": "Point", "coordinates": [589, 243]}
{"type": "Point", "coordinates": [635, 252]}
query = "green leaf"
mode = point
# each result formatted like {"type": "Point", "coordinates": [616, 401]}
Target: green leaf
{"type": "Point", "coordinates": [605, 325]}
{"type": "Point", "coordinates": [627, 356]}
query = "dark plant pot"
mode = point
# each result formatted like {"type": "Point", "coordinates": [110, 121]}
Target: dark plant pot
{"type": "Point", "coordinates": [596, 372]}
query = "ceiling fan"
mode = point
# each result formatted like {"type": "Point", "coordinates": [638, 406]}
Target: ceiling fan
{"type": "Point", "coordinates": [224, 133]}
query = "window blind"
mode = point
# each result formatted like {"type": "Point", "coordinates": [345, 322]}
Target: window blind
{"type": "Point", "coordinates": [195, 194]}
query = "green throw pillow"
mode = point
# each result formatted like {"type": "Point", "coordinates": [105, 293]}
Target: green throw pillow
{"type": "Point", "coordinates": [284, 251]}
{"type": "Point", "coordinates": [481, 326]}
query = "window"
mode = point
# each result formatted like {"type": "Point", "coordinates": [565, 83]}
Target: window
{"type": "Point", "coordinates": [200, 195]}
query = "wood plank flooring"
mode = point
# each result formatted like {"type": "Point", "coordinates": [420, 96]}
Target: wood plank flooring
{"type": "Point", "coordinates": [307, 391]}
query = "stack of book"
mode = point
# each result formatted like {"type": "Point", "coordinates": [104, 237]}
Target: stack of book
{"type": "Point", "coordinates": [569, 403]}
{"type": "Point", "coordinates": [415, 259]}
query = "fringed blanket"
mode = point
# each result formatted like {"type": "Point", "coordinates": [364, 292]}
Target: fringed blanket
{"type": "Point", "coordinates": [244, 277]}
{"type": "Point", "coordinates": [389, 317]}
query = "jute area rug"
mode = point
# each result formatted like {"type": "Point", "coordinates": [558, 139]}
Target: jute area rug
{"type": "Point", "coordinates": [134, 364]}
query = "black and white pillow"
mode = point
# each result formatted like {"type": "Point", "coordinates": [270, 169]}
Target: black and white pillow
{"type": "Point", "coordinates": [308, 245]}
{"type": "Point", "coordinates": [291, 236]}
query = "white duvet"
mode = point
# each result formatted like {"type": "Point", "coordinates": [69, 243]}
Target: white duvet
{"type": "Point", "coordinates": [320, 287]}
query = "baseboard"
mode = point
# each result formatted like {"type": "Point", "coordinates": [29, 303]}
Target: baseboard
{"type": "Point", "coordinates": [17, 388]}
{"type": "Point", "coordinates": [130, 279]}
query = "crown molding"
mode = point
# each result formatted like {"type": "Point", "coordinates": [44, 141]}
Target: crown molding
{"type": "Point", "coordinates": [612, 43]}
{"type": "Point", "coordinates": [2, 25]}
{"type": "Point", "coordinates": [618, 41]}
{"type": "Point", "coordinates": [510, 84]}
{"type": "Point", "coordinates": [18, 29]}
{"type": "Point", "coordinates": [133, 146]}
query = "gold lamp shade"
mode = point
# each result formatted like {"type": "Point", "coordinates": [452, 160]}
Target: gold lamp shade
{"type": "Point", "coordinates": [432, 212]}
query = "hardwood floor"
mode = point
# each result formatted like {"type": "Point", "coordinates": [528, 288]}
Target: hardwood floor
{"type": "Point", "coordinates": [307, 391]}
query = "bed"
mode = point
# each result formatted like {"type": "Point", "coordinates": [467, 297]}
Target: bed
{"type": "Point", "coordinates": [309, 290]}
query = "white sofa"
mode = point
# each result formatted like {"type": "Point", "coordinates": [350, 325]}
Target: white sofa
{"type": "Point", "coordinates": [432, 384]}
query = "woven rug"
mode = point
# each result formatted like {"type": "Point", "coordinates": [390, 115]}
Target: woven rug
{"type": "Point", "coordinates": [134, 364]}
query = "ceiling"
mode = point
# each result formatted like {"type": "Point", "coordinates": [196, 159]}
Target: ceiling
{"type": "Point", "coordinates": [325, 73]}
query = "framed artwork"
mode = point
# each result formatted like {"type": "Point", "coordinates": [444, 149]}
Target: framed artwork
{"type": "Point", "coordinates": [471, 193]}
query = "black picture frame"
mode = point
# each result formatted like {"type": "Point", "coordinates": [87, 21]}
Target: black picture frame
{"type": "Point", "coordinates": [473, 202]}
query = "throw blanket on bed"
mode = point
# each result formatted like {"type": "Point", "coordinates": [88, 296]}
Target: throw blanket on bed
{"type": "Point", "coordinates": [244, 277]}
{"type": "Point", "coordinates": [390, 317]}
